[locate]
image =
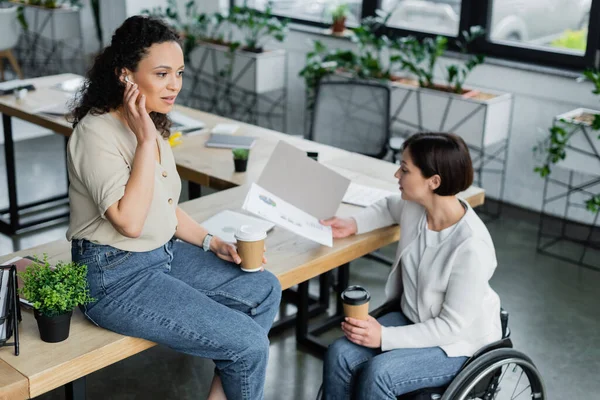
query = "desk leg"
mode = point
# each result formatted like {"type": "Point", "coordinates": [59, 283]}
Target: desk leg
{"type": "Point", "coordinates": [11, 176]}
{"type": "Point", "coordinates": [14, 223]}
{"type": "Point", "coordinates": [316, 305]}
{"type": "Point", "coordinates": [308, 337]}
{"type": "Point", "coordinates": [194, 190]}
{"type": "Point", "coordinates": [75, 390]}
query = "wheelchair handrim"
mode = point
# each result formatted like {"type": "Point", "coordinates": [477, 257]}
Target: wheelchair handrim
{"type": "Point", "coordinates": [507, 361]}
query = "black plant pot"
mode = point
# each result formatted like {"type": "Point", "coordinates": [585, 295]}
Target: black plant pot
{"type": "Point", "coordinates": [240, 165]}
{"type": "Point", "coordinates": [53, 329]}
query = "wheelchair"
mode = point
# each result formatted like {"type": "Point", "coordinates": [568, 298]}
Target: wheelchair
{"type": "Point", "coordinates": [495, 372]}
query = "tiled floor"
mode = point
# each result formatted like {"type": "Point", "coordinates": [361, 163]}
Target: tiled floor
{"type": "Point", "coordinates": [555, 317]}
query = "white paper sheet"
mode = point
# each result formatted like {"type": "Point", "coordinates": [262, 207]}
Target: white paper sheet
{"type": "Point", "coordinates": [227, 222]}
{"type": "Point", "coordinates": [364, 196]}
{"type": "Point", "coordinates": [270, 207]}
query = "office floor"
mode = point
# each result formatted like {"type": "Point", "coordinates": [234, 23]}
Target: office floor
{"type": "Point", "coordinates": [555, 317]}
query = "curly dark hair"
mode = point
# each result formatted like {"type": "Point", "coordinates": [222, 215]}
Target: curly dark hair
{"type": "Point", "coordinates": [103, 90]}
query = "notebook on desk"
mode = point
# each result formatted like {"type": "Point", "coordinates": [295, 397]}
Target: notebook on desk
{"type": "Point", "coordinates": [184, 124]}
{"type": "Point", "coordinates": [4, 278]}
{"type": "Point", "coordinates": [230, 141]}
{"type": "Point", "coordinates": [21, 265]}
{"type": "Point", "coordinates": [9, 86]}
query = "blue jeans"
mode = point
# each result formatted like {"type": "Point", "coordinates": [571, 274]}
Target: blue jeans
{"type": "Point", "coordinates": [350, 370]}
{"type": "Point", "coordinates": [189, 300]}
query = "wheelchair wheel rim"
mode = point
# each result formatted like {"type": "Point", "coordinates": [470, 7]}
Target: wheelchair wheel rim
{"type": "Point", "coordinates": [527, 369]}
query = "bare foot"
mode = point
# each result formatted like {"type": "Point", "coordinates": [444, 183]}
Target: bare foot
{"type": "Point", "coordinates": [216, 389]}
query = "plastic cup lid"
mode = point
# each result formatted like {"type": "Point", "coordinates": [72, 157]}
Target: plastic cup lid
{"type": "Point", "coordinates": [248, 233]}
{"type": "Point", "coordinates": [355, 295]}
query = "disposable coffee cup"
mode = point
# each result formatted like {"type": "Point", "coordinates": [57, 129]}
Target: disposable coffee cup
{"type": "Point", "coordinates": [250, 247]}
{"type": "Point", "coordinates": [20, 94]}
{"type": "Point", "coordinates": [356, 302]}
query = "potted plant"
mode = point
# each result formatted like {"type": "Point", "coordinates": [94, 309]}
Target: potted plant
{"type": "Point", "coordinates": [54, 293]}
{"type": "Point", "coordinates": [230, 48]}
{"type": "Point", "coordinates": [240, 159]}
{"type": "Point", "coordinates": [338, 19]}
{"type": "Point", "coordinates": [573, 143]}
{"type": "Point", "coordinates": [233, 52]}
{"type": "Point", "coordinates": [482, 119]}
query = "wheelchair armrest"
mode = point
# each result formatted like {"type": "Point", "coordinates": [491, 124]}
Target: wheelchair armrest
{"type": "Point", "coordinates": [386, 308]}
{"type": "Point", "coordinates": [499, 344]}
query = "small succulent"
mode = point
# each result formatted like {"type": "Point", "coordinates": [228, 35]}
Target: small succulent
{"type": "Point", "coordinates": [240, 154]}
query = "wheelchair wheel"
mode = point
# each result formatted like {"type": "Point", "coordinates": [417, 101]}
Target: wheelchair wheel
{"type": "Point", "coordinates": [501, 374]}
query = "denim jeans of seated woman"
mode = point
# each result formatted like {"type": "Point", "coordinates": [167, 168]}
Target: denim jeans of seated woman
{"type": "Point", "coordinates": [189, 300]}
{"type": "Point", "coordinates": [361, 373]}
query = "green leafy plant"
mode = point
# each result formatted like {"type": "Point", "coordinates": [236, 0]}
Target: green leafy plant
{"type": "Point", "coordinates": [340, 12]}
{"type": "Point", "coordinates": [257, 27]}
{"type": "Point", "coordinates": [368, 62]}
{"type": "Point", "coordinates": [321, 62]}
{"type": "Point", "coordinates": [48, 4]}
{"type": "Point", "coordinates": [240, 154]}
{"type": "Point", "coordinates": [55, 291]}
{"type": "Point", "coordinates": [189, 29]}
{"type": "Point", "coordinates": [371, 44]}
{"type": "Point", "coordinates": [574, 40]}
{"type": "Point", "coordinates": [21, 18]}
{"type": "Point", "coordinates": [420, 58]}
{"type": "Point", "coordinates": [458, 73]}
{"type": "Point", "coordinates": [553, 149]}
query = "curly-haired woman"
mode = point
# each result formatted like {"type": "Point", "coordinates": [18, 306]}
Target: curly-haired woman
{"type": "Point", "coordinates": [155, 273]}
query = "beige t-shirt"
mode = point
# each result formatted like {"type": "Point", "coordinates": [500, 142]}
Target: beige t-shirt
{"type": "Point", "coordinates": [99, 157]}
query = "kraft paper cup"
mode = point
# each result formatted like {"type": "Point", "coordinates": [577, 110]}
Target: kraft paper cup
{"type": "Point", "coordinates": [356, 302]}
{"type": "Point", "coordinates": [250, 247]}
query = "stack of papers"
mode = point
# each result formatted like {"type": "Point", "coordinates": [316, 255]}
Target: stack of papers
{"type": "Point", "coordinates": [184, 124]}
{"type": "Point", "coordinates": [364, 196]}
{"type": "Point", "coordinates": [71, 85]}
{"type": "Point", "coordinates": [8, 86]}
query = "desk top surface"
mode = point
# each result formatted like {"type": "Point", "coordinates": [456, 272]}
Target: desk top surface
{"type": "Point", "coordinates": [13, 385]}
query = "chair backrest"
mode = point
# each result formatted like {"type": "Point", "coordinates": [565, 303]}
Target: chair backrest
{"type": "Point", "coordinates": [353, 115]}
{"type": "Point", "coordinates": [9, 27]}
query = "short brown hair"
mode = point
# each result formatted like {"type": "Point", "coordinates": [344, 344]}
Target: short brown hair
{"type": "Point", "coordinates": [444, 154]}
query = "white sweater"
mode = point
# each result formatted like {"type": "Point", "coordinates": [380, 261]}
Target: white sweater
{"type": "Point", "coordinates": [458, 310]}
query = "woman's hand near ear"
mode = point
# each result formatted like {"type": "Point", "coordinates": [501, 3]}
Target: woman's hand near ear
{"type": "Point", "coordinates": [135, 114]}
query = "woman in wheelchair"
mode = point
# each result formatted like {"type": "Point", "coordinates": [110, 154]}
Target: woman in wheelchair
{"type": "Point", "coordinates": [439, 283]}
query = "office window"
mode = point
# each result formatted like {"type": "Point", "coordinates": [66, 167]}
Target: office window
{"type": "Point", "coordinates": [318, 11]}
{"type": "Point", "coordinates": [559, 33]}
{"type": "Point", "coordinates": [431, 16]}
{"type": "Point", "coordinates": [551, 25]}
